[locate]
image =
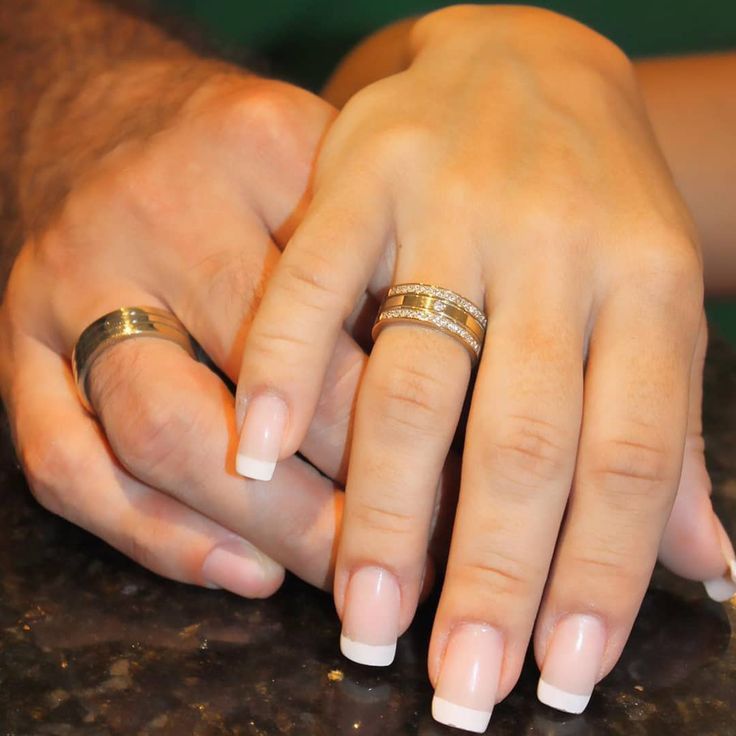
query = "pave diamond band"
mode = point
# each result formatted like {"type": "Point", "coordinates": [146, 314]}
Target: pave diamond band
{"type": "Point", "coordinates": [435, 307]}
{"type": "Point", "coordinates": [439, 293]}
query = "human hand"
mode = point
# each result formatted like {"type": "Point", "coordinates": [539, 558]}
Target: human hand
{"type": "Point", "coordinates": [185, 215]}
{"type": "Point", "coordinates": [539, 167]}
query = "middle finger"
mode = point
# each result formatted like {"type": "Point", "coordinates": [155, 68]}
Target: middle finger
{"type": "Point", "coordinates": [517, 469]}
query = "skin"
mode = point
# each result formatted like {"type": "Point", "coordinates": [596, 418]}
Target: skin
{"type": "Point", "coordinates": [192, 202]}
{"type": "Point", "coordinates": [189, 202]}
{"type": "Point", "coordinates": [567, 410]}
{"type": "Point", "coordinates": [699, 149]}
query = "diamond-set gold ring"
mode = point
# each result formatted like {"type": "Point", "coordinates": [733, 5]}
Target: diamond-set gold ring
{"type": "Point", "coordinates": [437, 308]}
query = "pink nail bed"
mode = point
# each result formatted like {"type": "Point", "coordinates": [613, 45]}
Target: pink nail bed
{"type": "Point", "coordinates": [261, 437]}
{"type": "Point", "coordinates": [468, 681]}
{"type": "Point", "coordinates": [370, 622]}
{"type": "Point", "coordinates": [572, 664]}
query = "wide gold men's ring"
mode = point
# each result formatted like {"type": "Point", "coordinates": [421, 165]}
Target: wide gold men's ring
{"type": "Point", "coordinates": [123, 324]}
{"type": "Point", "coordinates": [437, 308]}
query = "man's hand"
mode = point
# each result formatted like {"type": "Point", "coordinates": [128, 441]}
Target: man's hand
{"type": "Point", "coordinates": [182, 217]}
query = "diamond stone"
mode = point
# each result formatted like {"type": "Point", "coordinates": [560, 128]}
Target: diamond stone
{"type": "Point", "coordinates": [438, 320]}
{"type": "Point", "coordinates": [439, 293]}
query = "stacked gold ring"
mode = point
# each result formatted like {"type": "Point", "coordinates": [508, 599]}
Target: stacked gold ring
{"type": "Point", "coordinates": [437, 308]}
{"type": "Point", "coordinates": [123, 324]}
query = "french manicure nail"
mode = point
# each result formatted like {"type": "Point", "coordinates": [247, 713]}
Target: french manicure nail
{"type": "Point", "coordinates": [468, 681]}
{"type": "Point", "coordinates": [235, 566]}
{"type": "Point", "coordinates": [723, 588]}
{"type": "Point", "coordinates": [261, 437]}
{"type": "Point", "coordinates": [370, 623]}
{"type": "Point", "coordinates": [572, 664]}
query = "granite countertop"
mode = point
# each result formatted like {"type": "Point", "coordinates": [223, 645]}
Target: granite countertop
{"type": "Point", "coordinates": [92, 644]}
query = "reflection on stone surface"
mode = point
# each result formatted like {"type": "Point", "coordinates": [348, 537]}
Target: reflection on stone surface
{"type": "Point", "coordinates": [92, 644]}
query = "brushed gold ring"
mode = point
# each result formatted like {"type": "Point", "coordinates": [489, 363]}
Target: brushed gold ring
{"type": "Point", "coordinates": [437, 308]}
{"type": "Point", "coordinates": [123, 324]}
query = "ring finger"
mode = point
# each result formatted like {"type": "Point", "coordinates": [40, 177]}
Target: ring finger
{"type": "Point", "coordinates": [518, 465]}
{"type": "Point", "coordinates": [407, 411]}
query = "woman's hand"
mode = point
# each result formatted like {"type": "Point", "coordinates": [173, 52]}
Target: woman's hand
{"type": "Point", "coordinates": [513, 163]}
{"type": "Point", "coordinates": [181, 215]}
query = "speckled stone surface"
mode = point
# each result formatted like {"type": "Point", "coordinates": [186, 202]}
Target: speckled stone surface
{"type": "Point", "coordinates": [91, 644]}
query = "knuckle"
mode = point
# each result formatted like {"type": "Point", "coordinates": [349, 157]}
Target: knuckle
{"type": "Point", "coordinates": [276, 344]}
{"type": "Point", "coordinates": [228, 279]}
{"type": "Point", "coordinates": [156, 433]}
{"type": "Point", "coordinates": [410, 396]}
{"type": "Point", "coordinates": [672, 268]}
{"type": "Point", "coordinates": [529, 452]}
{"type": "Point", "coordinates": [462, 188]}
{"type": "Point", "coordinates": [56, 254]}
{"type": "Point", "coordinates": [623, 470]}
{"type": "Point", "coordinates": [151, 430]}
{"type": "Point", "coordinates": [494, 575]}
{"type": "Point", "coordinates": [336, 403]}
{"type": "Point", "coordinates": [130, 191]}
{"type": "Point", "coordinates": [51, 463]}
{"type": "Point", "coordinates": [551, 212]}
{"type": "Point", "coordinates": [259, 118]}
{"type": "Point", "coordinates": [311, 281]}
{"type": "Point", "coordinates": [612, 566]}
{"type": "Point", "coordinates": [135, 190]}
{"type": "Point", "coordinates": [376, 519]}
{"type": "Point", "coordinates": [146, 544]}
{"type": "Point", "coordinates": [404, 140]}
{"type": "Point", "coordinates": [139, 550]}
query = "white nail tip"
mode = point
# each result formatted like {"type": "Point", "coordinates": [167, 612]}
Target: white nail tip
{"type": "Point", "coordinates": [375, 655]}
{"type": "Point", "coordinates": [561, 699]}
{"type": "Point", "coordinates": [256, 469]}
{"type": "Point", "coordinates": [459, 716]}
{"type": "Point", "coordinates": [721, 589]}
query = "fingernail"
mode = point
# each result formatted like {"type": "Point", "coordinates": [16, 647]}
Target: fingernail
{"type": "Point", "coordinates": [370, 623]}
{"type": "Point", "coordinates": [572, 664]}
{"type": "Point", "coordinates": [238, 567]}
{"type": "Point", "coordinates": [723, 588]}
{"type": "Point", "coordinates": [261, 437]}
{"type": "Point", "coordinates": [468, 682]}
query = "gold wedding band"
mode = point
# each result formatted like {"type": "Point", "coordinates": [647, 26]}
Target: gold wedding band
{"type": "Point", "coordinates": [123, 324]}
{"type": "Point", "coordinates": [436, 308]}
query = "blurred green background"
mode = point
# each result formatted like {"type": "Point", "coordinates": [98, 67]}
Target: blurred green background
{"type": "Point", "coordinates": [302, 40]}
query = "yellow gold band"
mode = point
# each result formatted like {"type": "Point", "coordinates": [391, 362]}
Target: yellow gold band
{"type": "Point", "coordinates": [433, 305]}
{"type": "Point", "coordinates": [123, 324]}
{"type": "Point", "coordinates": [437, 308]}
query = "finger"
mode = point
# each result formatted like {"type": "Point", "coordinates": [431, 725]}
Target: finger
{"type": "Point", "coordinates": [695, 544]}
{"type": "Point", "coordinates": [409, 404]}
{"type": "Point", "coordinates": [72, 471]}
{"type": "Point", "coordinates": [517, 468]}
{"type": "Point", "coordinates": [629, 464]}
{"type": "Point", "coordinates": [171, 423]}
{"type": "Point", "coordinates": [323, 271]}
{"type": "Point", "coordinates": [213, 289]}
{"type": "Point", "coordinates": [216, 299]}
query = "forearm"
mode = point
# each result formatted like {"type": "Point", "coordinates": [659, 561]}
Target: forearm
{"type": "Point", "coordinates": [77, 78]}
{"type": "Point", "coordinates": [691, 105]}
